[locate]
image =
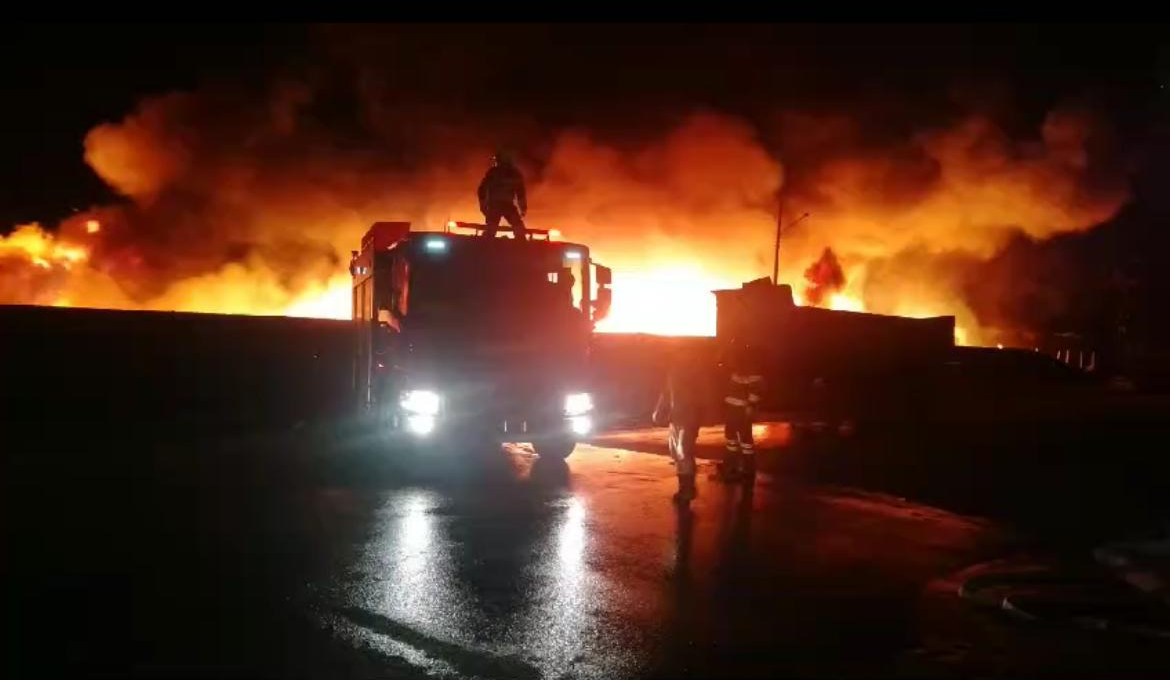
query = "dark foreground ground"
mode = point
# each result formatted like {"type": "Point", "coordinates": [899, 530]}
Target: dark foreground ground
{"type": "Point", "coordinates": [315, 554]}
{"type": "Point", "coordinates": [180, 498]}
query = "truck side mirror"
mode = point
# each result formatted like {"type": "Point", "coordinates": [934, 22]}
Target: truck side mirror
{"type": "Point", "coordinates": [604, 275]}
{"type": "Point", "coordinates": [602, 304]}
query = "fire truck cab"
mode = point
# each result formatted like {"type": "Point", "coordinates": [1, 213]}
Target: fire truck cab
{"type": "Point", "coordinates": [459, 337]}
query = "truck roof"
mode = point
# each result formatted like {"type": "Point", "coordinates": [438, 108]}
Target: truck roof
{"type": "Point", "coordinates": [384, 235]}
{"type": "Point", "coordinates": [416, 236]}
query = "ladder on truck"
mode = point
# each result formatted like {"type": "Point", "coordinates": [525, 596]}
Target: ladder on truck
{"type": "Point", "coordinates": [479, 229]}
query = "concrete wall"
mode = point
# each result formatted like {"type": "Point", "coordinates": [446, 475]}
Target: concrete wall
{"type": "Point", "coordinates": [128, 369]}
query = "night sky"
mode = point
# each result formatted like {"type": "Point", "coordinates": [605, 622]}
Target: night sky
{"type": "Point", "coordinates": [62, 80]}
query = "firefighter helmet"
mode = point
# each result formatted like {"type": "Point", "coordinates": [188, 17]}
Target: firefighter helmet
{"type": "Point", "coordinates": [503, 156]}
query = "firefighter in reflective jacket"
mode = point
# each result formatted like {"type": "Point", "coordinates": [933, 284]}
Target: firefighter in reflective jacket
{"type": "Point", "coordinates": [680, 405]}
{"type": "Point", "coordinates": [744, 385]}
{"type": "Point", "coordinates": [502, 195]}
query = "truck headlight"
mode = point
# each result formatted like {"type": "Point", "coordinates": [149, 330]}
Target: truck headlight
{"type": "Point", "coordinates": [578, 404]}
{"type": "Point", "coordinates": [420, 425]}
{"type": "Point", "coordinates": [420, 402]}
{"type": "Point", "coordinates": [580, 425]}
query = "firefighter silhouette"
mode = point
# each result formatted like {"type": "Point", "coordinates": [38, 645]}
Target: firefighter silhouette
{"type": "Point", "coordinates": [502, 195]}
{"type": "Point", "coordinates": [680, 405]}
{"type": "Point", "coordinates": [741, 398]}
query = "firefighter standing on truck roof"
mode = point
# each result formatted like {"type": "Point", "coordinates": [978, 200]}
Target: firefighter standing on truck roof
{"type": "Point", "coordinates": [680, 404]}
{"type": "Point", "coordinates": [742, 397]}
{"type": "Point", "coordinates": [501, 194]}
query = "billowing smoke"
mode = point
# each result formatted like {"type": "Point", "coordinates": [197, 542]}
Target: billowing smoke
{"type": "Point", "coordinates": [239, 205]}
{"type": "Point", "coordinates": [239, 200]}
{"type": "Point", "coordinates": [703, 192]}
{"type": "Point", "coordinates": [967, 187]}
{"type": "Point", "coordinates": [912, 219]}
{"type": "Point", "coordinates": [235, 207]}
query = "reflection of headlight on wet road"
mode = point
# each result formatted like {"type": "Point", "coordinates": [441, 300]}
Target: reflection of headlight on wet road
{"type": "Point", "coordinates": [420, 425]}
{"type": "Point", "coordinates": [415, 527]}
{"type": "Point", "coordinates": [581, 425]}
{"type": "Point", "coordinates": [571, 536]}
{"type": "Point", "coordinates": [578, 403]}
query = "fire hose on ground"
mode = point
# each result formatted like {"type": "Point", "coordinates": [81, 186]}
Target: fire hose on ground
{"type": "Point", "coordinates": [1126, 590]}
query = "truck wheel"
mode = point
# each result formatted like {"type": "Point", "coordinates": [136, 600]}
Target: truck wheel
{"type": "Point", "coordinates": [558, 449]}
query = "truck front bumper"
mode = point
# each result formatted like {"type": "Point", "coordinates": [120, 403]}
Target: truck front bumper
{"type": "Point", "coordinates": [513, 429]}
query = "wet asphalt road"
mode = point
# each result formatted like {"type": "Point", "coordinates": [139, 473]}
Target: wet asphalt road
{"type": "Point", "coordinates": [588, 571]}
{"type": "Point", "coordinates": [508, 567]}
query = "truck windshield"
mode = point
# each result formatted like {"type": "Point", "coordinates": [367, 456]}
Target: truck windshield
{"type": "Point", "coordinates": [471, 285]}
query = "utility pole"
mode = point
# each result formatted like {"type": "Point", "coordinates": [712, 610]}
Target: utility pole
{"type": "Point", "coordinates": [776, 253]}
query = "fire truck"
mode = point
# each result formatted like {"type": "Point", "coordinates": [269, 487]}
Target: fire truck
{"type": "Point", "coordinates": [462, 338]}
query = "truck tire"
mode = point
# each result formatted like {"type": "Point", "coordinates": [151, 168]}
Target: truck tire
{"type": "Point", "coordinates": [557, 449]}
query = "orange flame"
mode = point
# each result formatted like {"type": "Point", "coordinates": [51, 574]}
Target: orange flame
{"type": "Point", "coordinates": [331, 301]}
{"type": "Point", "coordinates": [32, 243]}
{"type": "Point", "coordinates": [662, 300]}
{"type": "Point", "coordinates": [671, 300]}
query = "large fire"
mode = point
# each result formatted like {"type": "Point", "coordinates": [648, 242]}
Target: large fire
{"type": "Point", "coordinates": [211, 225]}
{"type": "Point", "coordinates": [670, 299]}
{"type": "Point", "coordinates": [665, 300]}
{"type": "Point", "coordinates": [41, 249]}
